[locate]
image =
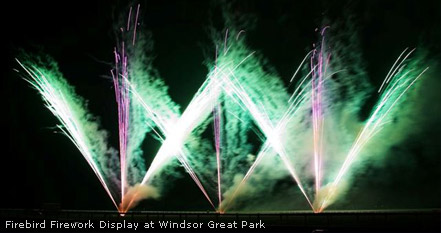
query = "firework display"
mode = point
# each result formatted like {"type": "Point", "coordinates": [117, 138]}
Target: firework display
{"type": "Point", "coordinates": [313, 133]}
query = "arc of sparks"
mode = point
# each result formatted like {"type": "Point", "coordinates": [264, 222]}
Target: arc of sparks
{"type": "Point", "coordinates": [175, 134]}
{"type": "Point", "coordinates": [394, 91]}
{"type": "Point", "coordinates": [58, 104]}
{"type": "Point", "coordinates": [269, 131]}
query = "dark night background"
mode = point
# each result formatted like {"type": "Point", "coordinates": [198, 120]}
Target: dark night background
{"type": "Point", "coordinates": [39, 166]}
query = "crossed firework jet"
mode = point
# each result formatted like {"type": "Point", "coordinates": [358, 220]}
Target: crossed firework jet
{"type": "Point", "coordinates": [173, 132]}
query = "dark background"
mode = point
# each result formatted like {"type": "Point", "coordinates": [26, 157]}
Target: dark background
{"type": "Point", "coordinates": [39, 166]}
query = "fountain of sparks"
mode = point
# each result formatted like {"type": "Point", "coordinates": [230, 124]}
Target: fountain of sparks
{"type": "Point", "coordinates": [236, 93]}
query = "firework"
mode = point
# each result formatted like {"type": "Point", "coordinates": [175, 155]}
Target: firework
{"type": "Point", "coordinates": [238, 96]}
{"type": "Point", "coordinates": [76, 122]}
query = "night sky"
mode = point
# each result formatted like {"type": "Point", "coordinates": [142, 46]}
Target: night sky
{"type": "Point", "coordinates": [39, 165]}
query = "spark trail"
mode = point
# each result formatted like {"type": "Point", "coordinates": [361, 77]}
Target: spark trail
{"type": "Point", "coordinates": [197, 109]}
{"type": "Point", "coordinates": [273, 134]}
{"type": "Point", "coordinates": [75, 122]}
{"type": "Point", "coordinates": [217, 116]}
{"type": "Point", "coordinates": [397, 82]}
{"type": "Point", "coordinates": [195, 112]}
{"type": "Point", "coordinates": [217, 138]}
{"type": "Point", "coordinates": [123, 101]}
{"type": "Point", "coordinates": [318, 71]}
